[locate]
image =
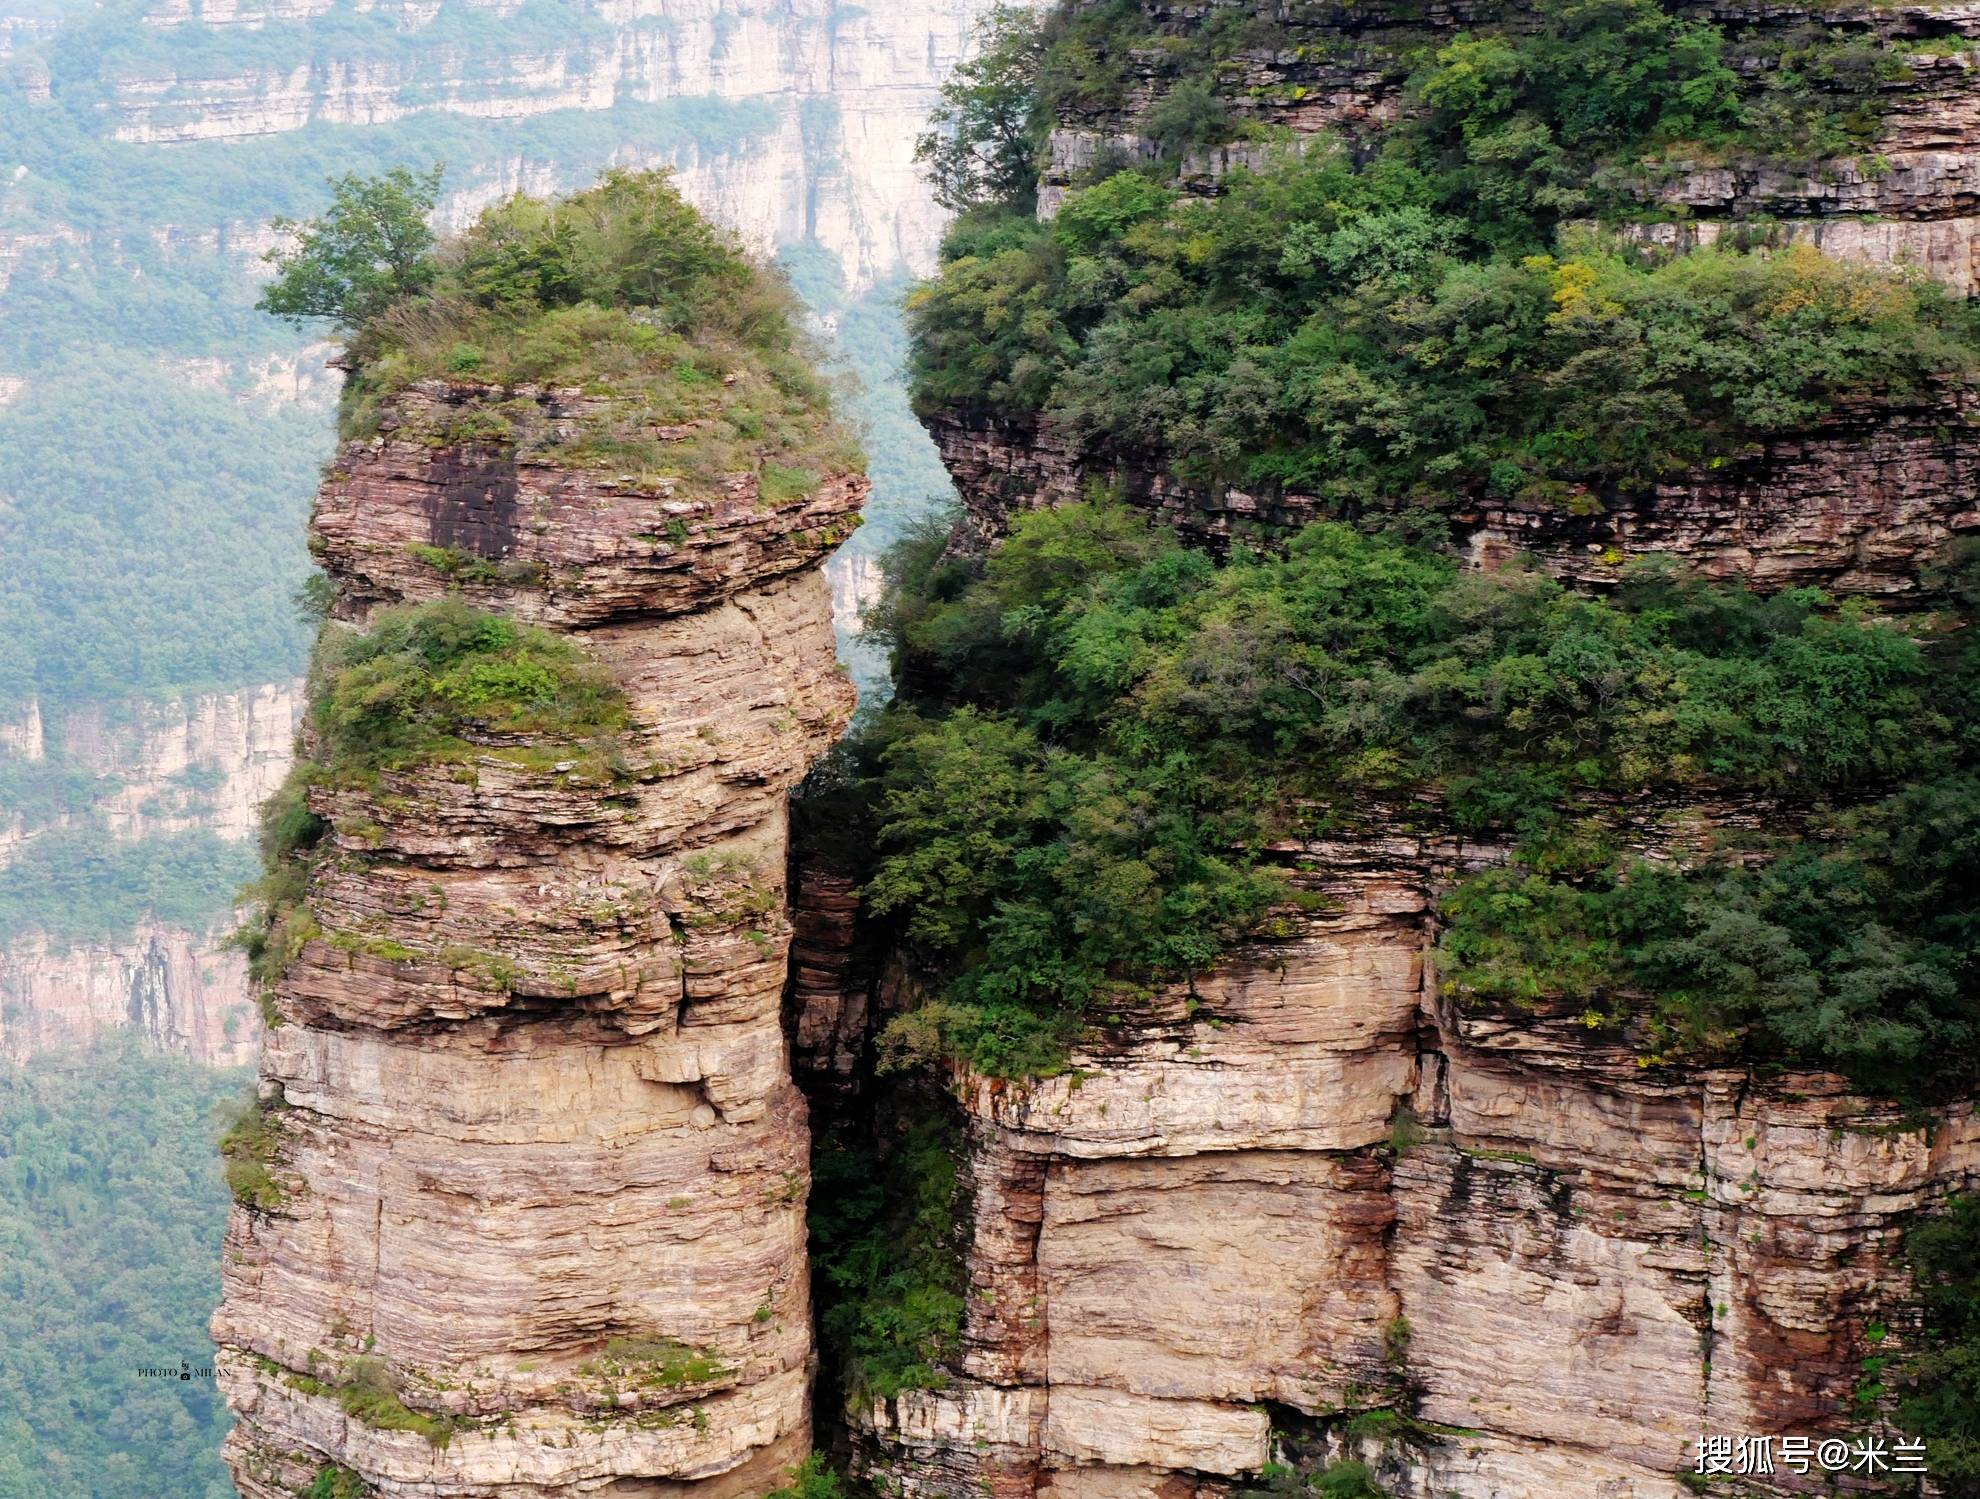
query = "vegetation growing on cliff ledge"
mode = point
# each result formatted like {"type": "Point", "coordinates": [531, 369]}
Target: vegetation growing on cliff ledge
{"type": "Point", "coordinates": [1557, 109]}
{"type": "Point", "coordinates": [250, 1146]}
{"type": "Point", "coordinates": [1322, 328]}
{"type": "Point", "coordinates": [1346, 1479]}
{"type": "Point", "coordinates": [622, 291]}
{"type": "Point", "coordinates": [1125, 728]}
{"type": "Point", "coordinates": [1398, 330]}
{"type": "Point", "coordinates": [432, 680]}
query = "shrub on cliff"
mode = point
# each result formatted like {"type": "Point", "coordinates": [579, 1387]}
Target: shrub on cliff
{"type": "Point", "coordinates": [624, 292]}
{"type": "Point", "coordinates": [1125, 728]}
{"type": "Point", "coordinates": [812, 1479]}
{"type": "Point", "coordinates": [1324, 327]}
{"type": "Point", "coordinates": [435, 679]}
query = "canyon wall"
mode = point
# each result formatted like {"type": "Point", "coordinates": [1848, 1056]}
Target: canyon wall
{"type": "Point", "coordinates": [1315, 1207]}
{"type": "Point", "coordinates": [535, 1161]}
{"type": "Point", "coordinates": [139, 772]}
{"type": "Point", "coordinates": [1315, 1188]}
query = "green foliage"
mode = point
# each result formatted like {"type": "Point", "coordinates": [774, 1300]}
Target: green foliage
{"type": "Point", "coordinates": [369, 248]}
{"type": "Point", "coordinates": [250, 1146]}
{"type": "Point", "coordinates": [812, 1479]}
{"type": "Point", "coordinates": [278, 922]}
{"type": "Point", "coordinates": [889, 1217]}
{"type": "Point", "coordinates": [1317, 327]}
{"type": "Point", "coordinates": [111, 1212]}
{"type": "Point", "coordinates": [1942, 1400]}
{"type": "Point", "coordinates": [654, 1363]}
{"type": "Point", "coordinates": [78, 884]}
{"type": "Point", "coordinates": [161, 561]}
{"type": "Point", "coordinates": [983, 144]}
{"type": "Point", "coordinates": [38, 792]}
{"type": "Point", "coordinates": [333, 1481]}
{"type": "Point", "coordinates": [1852, 950]}
{"type": "Point", "coordinates": [367, 1389]}
{"type": "Point", "coordinates": [1524, 120]}
{"type": "Point", "coordinates": [1346, 1479]}
{"type": "Point", "coordinates": [1518, 122]}
{"type": "Point", "coordinates": [627, 292]}
{"type": "Point", "coordinates": [434, 679]}
{"type": "Point", "coordinates": [1389, 330]}
{"type": "Point", "coordinates": [1128, 727]}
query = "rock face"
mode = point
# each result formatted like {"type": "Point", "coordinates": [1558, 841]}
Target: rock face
{"type": "Point", "coordinates": [540, 1169]}
{"type": "Point", "coordinates": [836, 95]}
{"type": "Point", "coordinates": [1322, 1189]}
{"type": "Point", "coordinates": [788, 123]}
{"type": "Point", "coordinates": [1855, 506]}
{"type": "Point", "coordinates": [180, 989]}
{"type": "Point", "coordinates": [203, 763]}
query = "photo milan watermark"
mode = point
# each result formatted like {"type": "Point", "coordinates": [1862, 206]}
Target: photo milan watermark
{"type": "Point", "coordinates": [1750, 1457]}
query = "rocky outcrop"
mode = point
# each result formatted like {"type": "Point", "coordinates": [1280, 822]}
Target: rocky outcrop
{"type": "Point", "coordinates": [1858, 505]}
{"type": "Point", "coordinates": [1316, 1207]}
{"type": "Point", "coordinates": [1321, 1189]}
{"type": "Point", "coordinates": [534, 1217]}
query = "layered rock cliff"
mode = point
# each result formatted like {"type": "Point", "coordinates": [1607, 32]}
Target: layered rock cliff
{"type": "Point", "coordinates": [1316, 1203]}
{"type": "Point", "coordinates": [1317, 1188]}
{"type": "Point", "coordinates": [119, 784]}
{"type": "Point", "coordinates": [522, 1212]}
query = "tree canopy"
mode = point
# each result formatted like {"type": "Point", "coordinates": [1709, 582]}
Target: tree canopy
{"type": "Point", "coordinates": [370, 247]}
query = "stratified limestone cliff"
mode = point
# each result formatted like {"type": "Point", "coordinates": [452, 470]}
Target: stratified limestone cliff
{"type": "Point", "coordinates": [1316, 1186]}
{"type": "Point", "coordinates": [1857, 505]}
{"type": "Point", "coordinates": [834, 95]}
{"type": "Point", "coordinates": [199, 765]}
{"type": "Point", "coordinates": [534, 1163]}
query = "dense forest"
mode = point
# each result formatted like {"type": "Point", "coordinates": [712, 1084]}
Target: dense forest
{"type": "Point", "coordinates": [111, 1210]}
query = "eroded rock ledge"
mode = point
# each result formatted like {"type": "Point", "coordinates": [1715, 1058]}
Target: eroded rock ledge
{"type": "Point", "coordinates": [539, 1167]}
{"type": "Point", "coordinates": [1860, 504]}
{"type": "Point", "coordinates": [1316, 1187]}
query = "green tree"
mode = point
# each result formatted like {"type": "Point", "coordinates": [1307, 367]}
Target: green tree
{"type": "Point", "coordinates": [1943, 1401]}
{"type": "Point", "coordinates": [369, 248]}
{"type": "Point", "coordinates": [984, 147]}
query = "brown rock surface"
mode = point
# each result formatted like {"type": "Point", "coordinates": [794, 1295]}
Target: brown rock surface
{"type": "Point", "coordinates": [1592, 1261]}
{"type": "Point", "coordinates": [1856, 506]}
{"type": "Point", "coordinates": [541, 1167]}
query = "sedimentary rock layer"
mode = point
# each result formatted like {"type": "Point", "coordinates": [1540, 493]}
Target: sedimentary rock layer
{"type": "Point", "coordinates": [539, 1167]}
{"type": "Point", "coordinates": [1323, 1189]}
{"type": "Point", "coordinates": [1857, 505]}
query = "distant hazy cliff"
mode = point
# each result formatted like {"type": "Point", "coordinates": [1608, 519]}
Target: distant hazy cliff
{"type": "Point", "coordinates": [794, 124]}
